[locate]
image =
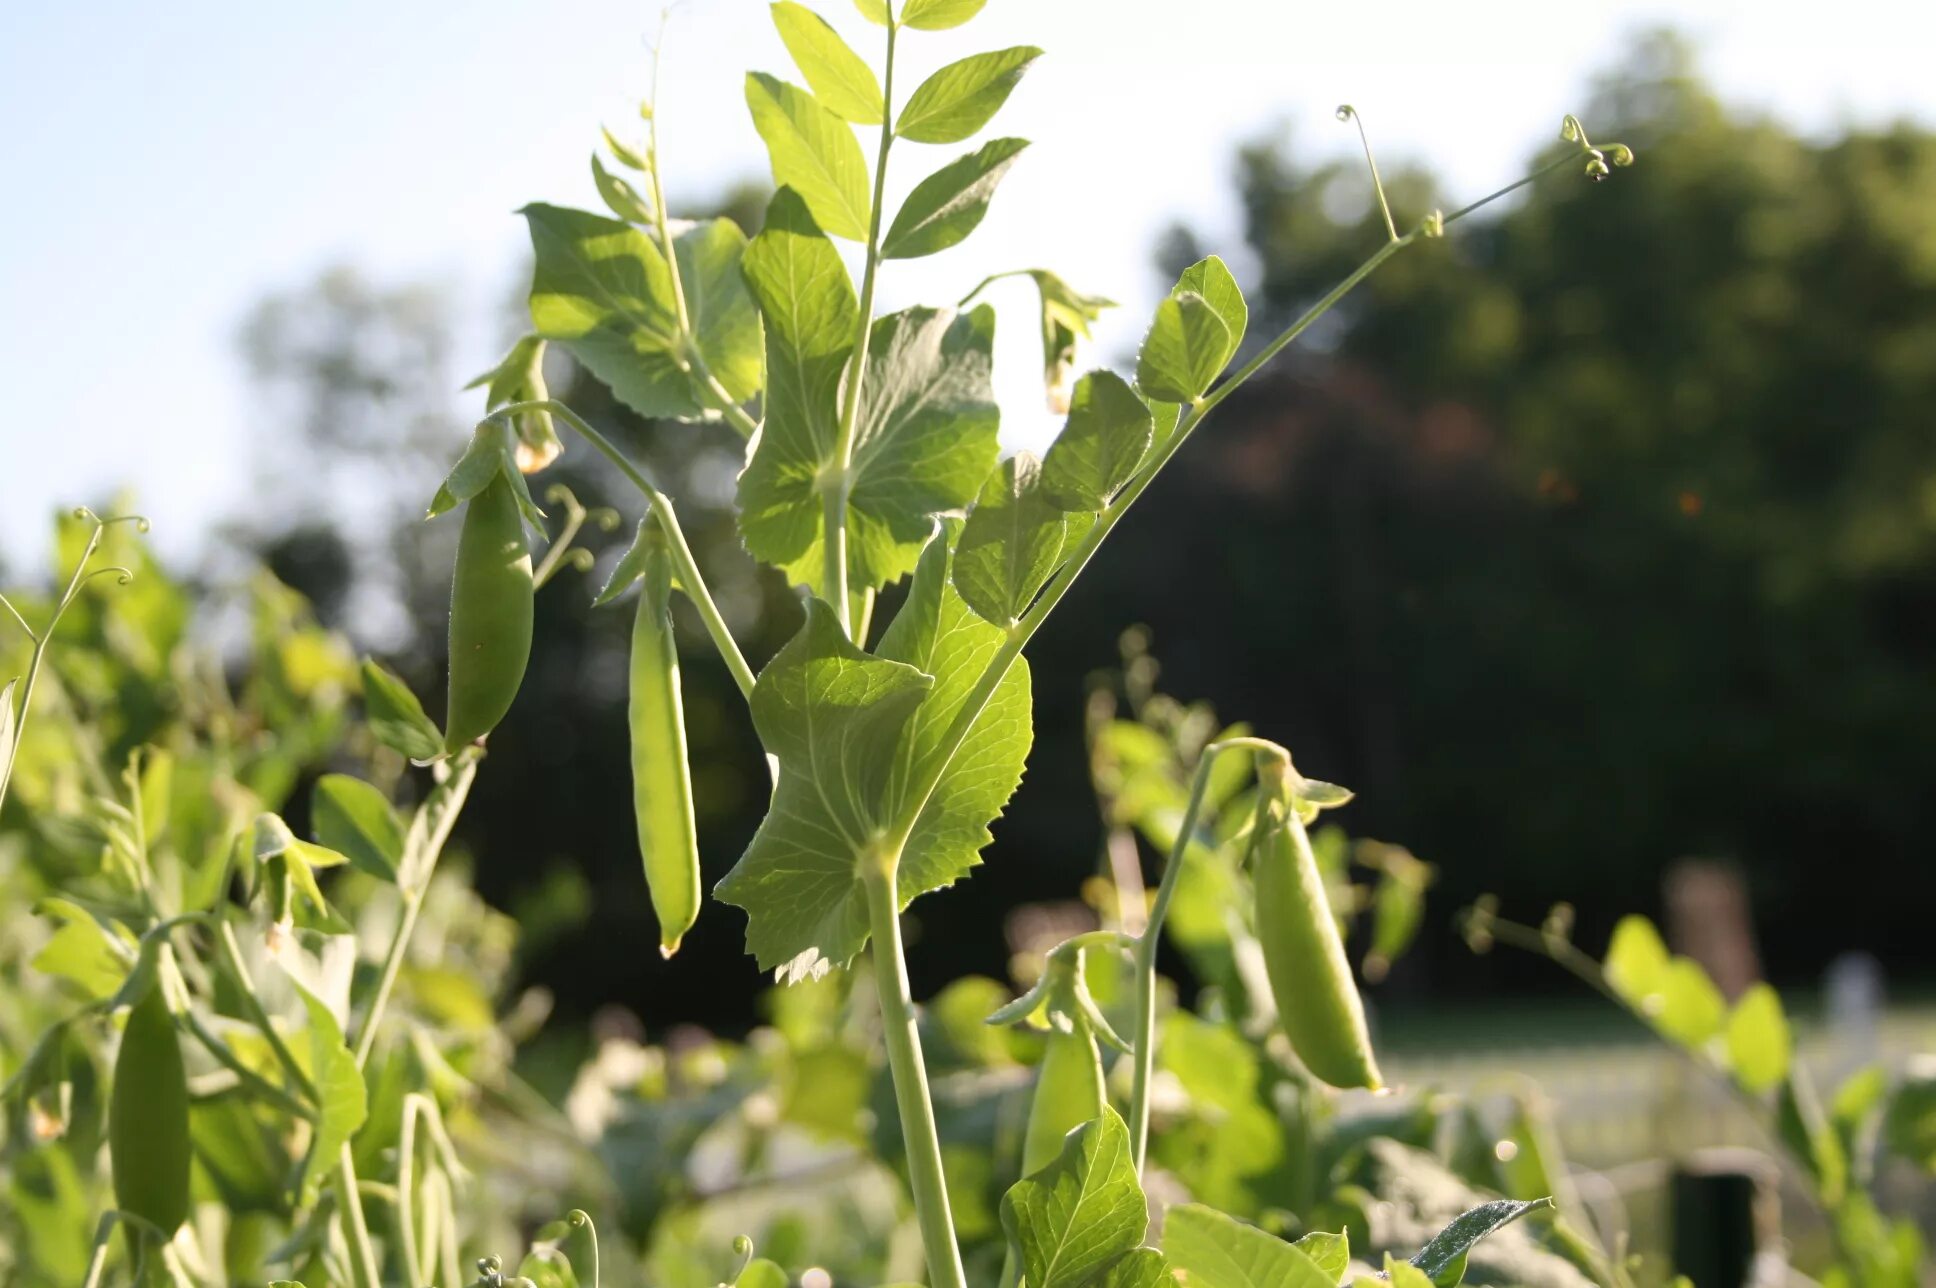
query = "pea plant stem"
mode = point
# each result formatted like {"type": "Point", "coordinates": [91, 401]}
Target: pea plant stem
{"type": "Point", "coordinates": [364, 1272]}
{"type": "Point", "coordinates": [448, 802]}
{"type": "Point", "coordinates": [252, 1002]}
{"type": "Point", "coordinates": [661, 507]}
{"type": "Point", "coordinates": [909, 1075]}
{"type": "Point", "coordinates": [838, 485]}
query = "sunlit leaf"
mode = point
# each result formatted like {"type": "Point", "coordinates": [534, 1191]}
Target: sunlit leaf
{"type": "Point", "coordinates": [619, 196]}
{"type": "Point", "coordinates": [1636, 964]}
{"type": "Point", "coordinates": [838, 76]}
{"type": "Point", "coordinates": [355, 819]}
{"type": "Point", "coordinates": [1759, 1044]}
{"type": "Point", "coordinates": [1099, 448]}
{"type": "Point", "coordinates": [1011, 544]}
{"type": "Point", "coordinates": [813, 152]}
{"type": "Point", "coordinates": [1217, 1251]}
{"type": "Point", "coordinates": [1075, 1218]}
{"type": "Point", "coordinates": [958, 100]}
{"type": "Point", "coordinates": [948, 205]}
{"type": "Point", "coordinates": [1692, 1009]}
{"type": "Point", "coordinates": [929, 15]}
{"type": "Point", "coordinates": [1449, 1246]}
{"type": "Point", "coordinates": [396, 717]}
{"type": "Point", "coordinates": [1185, 349]}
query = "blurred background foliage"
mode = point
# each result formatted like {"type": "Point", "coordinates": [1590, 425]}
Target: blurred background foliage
{"type": "Point", "coordinates": [1598, 536]}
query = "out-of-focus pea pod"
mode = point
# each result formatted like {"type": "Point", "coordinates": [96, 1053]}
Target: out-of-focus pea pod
{"type": "Point", "coordinates": [661, 777]}
{"type": "Point", "coordinates": [1310, 978]}
{"type": "Point", "coordinates": [148, 1117]}
{"type": "Point", "coordinates": [490, 615]}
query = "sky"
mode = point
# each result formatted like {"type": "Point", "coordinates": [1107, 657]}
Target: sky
{"type": "Point", "coordinates": [165, 166]}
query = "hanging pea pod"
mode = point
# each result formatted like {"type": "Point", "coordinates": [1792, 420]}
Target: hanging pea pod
{"type": "Point", "coordinates": [661, 777]}
{"type": "Point", "coordinates": [1069, 1081]}
{"type": "Point", "coordinates": [490, 615]}
{"type": "Point", "coordinates": [148, 1117]}
{"type": "Point", "coordinates": [1310, 978]}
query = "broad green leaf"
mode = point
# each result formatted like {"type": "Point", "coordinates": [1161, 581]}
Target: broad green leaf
{"type": "Point", "coordinates": [1139, 1268]}
{"type": "Point", "coordinates": [958, 100]}
{"type": "Point", "coordinates": [355, 819]}
{"type": "Point", "coordinates": [1212, 280]}
{"type": "Point", "coordinates": [1759, 1045]}
{"type": "Point", "coordinates": [924, 436]}
{"type": "Point", "coordinates": [342, 1102]}
{"type": "Point", "coordinates": [396, 717]}
{"type": "Point", "coordinates": [875, 11]}
{"type": "Point", "coordinates": [1909, 1124]}
{"type": "Point", "coordinates": [1216, 1251]}
{"type": "Point", "coordinates": [725, 321]}
{"type": "Point", "coordinates": [1011, 544]}
{"type": "Point", "coordinates": [619, 196]}
{"type": "Point", "coordinates": [1450, 1245]}
{"type": "Point", "coordinates": [813, 152]}
{"type": "Point", "coordinates": [87, 950]}
{"type": "Point", "coordinates": [627, 155]}
{"type": "Point", "coordinates": [1636, 964]}
{"type": "Point", "coordinates": [852, 732]}
{"type": "Point", "coordinates": [931, 15]}
{"type": "Point", "coordinates": [947, 205]}
{"type": "Point", "coordinates": [761, 1273]}
{"type": "Point", "coordinates": [1692, 1009]}
{"type": "Point", "coordinates": [1185, 349]}
{"type": "Point", "coordinates": [1076, 1217]}
{"type": "Point", "coordinates": [838, 76]}
{"type": "Point", "coordinates": [1330, 1253]}
{"type": "Point", "coordinates": [1105, 438]}
{"type": "Point", "coordinates": [601, 288]}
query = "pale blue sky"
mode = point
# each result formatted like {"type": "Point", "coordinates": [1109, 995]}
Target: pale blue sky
{"type": "Point", "coordinates": [165, 165]}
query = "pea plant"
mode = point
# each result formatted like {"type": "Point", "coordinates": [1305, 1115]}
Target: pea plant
{"type": "Point", "coordinates": [871, 460]}
{"type": "Point", "coordinates": [872, 456]}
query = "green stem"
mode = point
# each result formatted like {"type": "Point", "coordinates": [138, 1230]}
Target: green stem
{"type": "Point", "coordinates": [413, 1262]}
{"type": "Point", "coordinates": [249, 1078]}
{"type": "Point", "coordinates": [232, 954]}
{"type": "Point", "coordinates": [363, 1265]}
{"type": "Point", "coordinates": [910, 1076]}
{"type": "Point", "coordinates": [1151, 937]}
{"type": "Point", "coordinates": [41, 641]}
{"type": "Point", "coordinates": [97, 1260]}
{"type": "Point", "coordinates": [838, 486]}
{"type": "Point", "coordinates": [448, 802]}
{"type": "Point", "coordinates": [661, 506]}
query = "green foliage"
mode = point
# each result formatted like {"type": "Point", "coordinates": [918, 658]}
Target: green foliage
{"type": "Point", "coordinates": [949, 204]}
{"type": "Point", "coordinates": [1073, 1222]}
{"type": "Point", "coordinates": [955, 102]}
{"type": "Point", "coordinates": [813, 152]}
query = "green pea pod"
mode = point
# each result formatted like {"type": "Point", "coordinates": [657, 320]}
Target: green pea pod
{"type": "Point", "coordinates": [1068, 1093]}
{"type": "Point", "coordinates": [661, 781]}
{"type": "Point", "coordinates": [148, 1118]}
{"type": "Point", "coordinates": [490, 615]}
{"type": "Point", "coordinates": [1317, 1000]}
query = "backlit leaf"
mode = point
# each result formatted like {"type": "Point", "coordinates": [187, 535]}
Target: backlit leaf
{"type": "Point", "coordinates": [725, 321]}
{"type": "Point", "coordinates": [1011, 544]}
{"type": "Point", "coordinates": [1692, 1009]}
{"type": "Point", "coordinates": [876, 10]}
{"type": "Point", "coordinates": [1106, 436]}
{"type": "Point", "coordinates": [1450, 1245]}
{"type": "Point", "coordinates": [342, 1102]}
{"type": "Point", "coordinates": [355, 819]}
{"type": "Point", "coordinates": [947, 205]}
{"type": "Point", "coordinates": [1185, 349]}
{"type": "Point", "coordinates": [1759, 1045]}
{"type": "Point", "coordinates": [813, 152]}
{"type": "Point", "coordinates": [1074, 1219]}
{"type": "Point", "coordinates": [932, 15]}
{"type": "Point", "coordinates": [958, 100]}
{"type": "Point", "coordinates": [619, 196]}
{"type": "Point", "coordinates": [396, 717]}
{"type": "Point", "coordinates": [1636, 964]}
{"type": "Point", "coordinates": [852, 732]}
{"type": "Point", "coordinates": [1211, 279]}
{"type": "Point", "coordinates": [1217, 1251]}
{"type": "Point", "coordinates": [838, 76]}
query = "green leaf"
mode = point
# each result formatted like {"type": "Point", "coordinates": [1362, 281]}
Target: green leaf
{"type": "Point", "coordinates": [1211, 279]}
{"type": "Point", "coordinates": [838, 76]}
{"type": "Point", "coordinates": [817, 705]}
{"type": "Point", "coordinates": [1691, 1008]}
{"type": "Point", "coordinates": [958, 100]}
{"type": "Point", "coordinates": [724, 319]}
{"type": "Point", "coordinates": [1636, 964]}
{"type": "Point", "coordinates": [1450, 1245]}
{"type": "Point", "coordinates": [1216, 1251]}
{"type": "Point", "coordinates": [486, 456]}
{"type": "Point", "coordinates": [1074, 1219]}
{"type": "Point", "coordinates": [1759, 1045]}
{"type": "Point", "coordinates": [1186, 347]}
{"type": "Point", "coordinates": [627, 155]}
{"type": "Point", "coordinates": [355, 819]}
{"type": "Point", "coordinates": [1909, 1124]}
{"type": "Point", "coordinates": [1139, 1268]}
{"type": "Point", "coordinates": [396, 717]}
{"type": "Point", "coordinates": [1107, 434]}
{"type": "Point", "coordinates": [1011, 544]}
{"type": "Point", "coordinates": [930, 15]}
{"type": "Point", "coordinates": [761, 1273]}
{"type": "Point", "coordinates": [630, 566]}
{"type": "Point", "coordinates": [1812, 1139]}
{"type": "Point", "coordinates": [619, 196]}
{"type": "Point", "coordinates": [875, 11]}
{"type": "Point", "coordinates": [87, 950]}
{"type": "Point", "coordinates": [947, 205]}
{"type": "Point", "coordinates": [342, 1101]}
{"type": "Point", "coordinates": [813, 152]}
{"type": "Point", "coordinates": [1404, 1275]}
{"type": "Point", "coordinates": [924, 435]}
